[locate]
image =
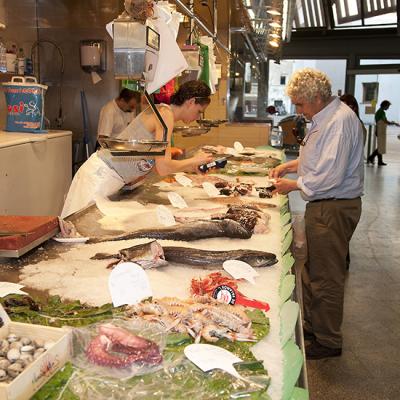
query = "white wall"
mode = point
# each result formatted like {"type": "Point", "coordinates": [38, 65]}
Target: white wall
{"type": "Point", "coordinates": [388, 90]}
{"type": "Point", "coordinates": [335, 69]}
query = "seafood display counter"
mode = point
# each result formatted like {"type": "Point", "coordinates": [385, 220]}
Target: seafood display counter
{"type": "Point", "coordinates": [183, 260]}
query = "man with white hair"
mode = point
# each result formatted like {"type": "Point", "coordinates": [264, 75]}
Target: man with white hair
{"type": "Point", "coordinates": [330, 177]}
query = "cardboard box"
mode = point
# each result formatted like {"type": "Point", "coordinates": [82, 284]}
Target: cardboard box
{"type": "Point", "coordinates": [35, 375]}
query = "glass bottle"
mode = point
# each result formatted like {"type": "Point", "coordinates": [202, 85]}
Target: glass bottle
{"type": "Point", "coordinates": [3, 57]}
{"type": "Point", "coordinates": [21, 62]}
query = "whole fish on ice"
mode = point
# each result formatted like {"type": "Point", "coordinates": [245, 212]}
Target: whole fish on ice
{"type": "Point", "coordinates": [153, 255]}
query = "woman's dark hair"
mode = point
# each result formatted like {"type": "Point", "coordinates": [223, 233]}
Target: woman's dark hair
{"type": "Point", "coordinates": [351, 101]}
{"type": "Point", "coordinates": [192, 89]}
{"type": "Point", "coordinates": [127, 94]}
{"type": "Point", "coordinates": [385, 103]}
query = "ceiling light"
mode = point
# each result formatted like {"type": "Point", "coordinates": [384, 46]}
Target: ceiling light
{"type": "Point", "coordinates": [237, 74]}
{"type": "Point", "coordinates": [273, 43]}
{"type": "Point", "coordinates": [275, 24]}
{"type": "Point", "coordinates": [273, 12]}
{"type": "Point", "coordinates": [275, 35]}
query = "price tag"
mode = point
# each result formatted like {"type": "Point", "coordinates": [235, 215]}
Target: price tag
{"type": "Point", "coordinates": [162, 184]}
{"type": "Point", "coordinates": [183, 180]}
{"type": "Point", "coordinates": [240, 270]}
{"type": "Point", "coordinates": [128, 284]}
{"type": "Point", "coordinates": [210, 189]}
{"type": "Point", "coordinates": [165, 216]}
{"type": "Point", "coordinates": [177, 200]}
{"type": "Point", "coordinates": [208, 357]}
{"type": "Point", "coordinates": [231, 151]}
{"type": "Point", "coordinates": [238, 147]}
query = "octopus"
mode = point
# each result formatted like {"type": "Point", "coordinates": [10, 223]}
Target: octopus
{"type": "Point", "coordinates": [116, 347]}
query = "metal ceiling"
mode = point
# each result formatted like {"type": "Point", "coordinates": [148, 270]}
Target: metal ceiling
{"type": "Point", "coordinates": [334, 14]}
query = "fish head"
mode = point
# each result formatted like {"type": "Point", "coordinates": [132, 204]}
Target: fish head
{"type": "Point", "coordinates": [262, 261]}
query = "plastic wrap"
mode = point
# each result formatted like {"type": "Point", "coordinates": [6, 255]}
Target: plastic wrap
{"type": "Point", "coordinates": [178, 380]}
{"type": "Point", "coordinates": [118, 348]}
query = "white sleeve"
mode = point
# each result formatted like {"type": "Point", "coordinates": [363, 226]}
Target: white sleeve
{"type": "Point", "coordinates": [106, 122]}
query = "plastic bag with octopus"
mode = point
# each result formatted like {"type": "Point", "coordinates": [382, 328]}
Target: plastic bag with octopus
{"type": "Point", "coordinates": [118, 348]}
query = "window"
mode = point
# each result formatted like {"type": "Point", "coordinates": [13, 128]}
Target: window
{"type": "Point", "coordinates": [370, 91]}
{"type": "Point", "coordinates": [283, 80]}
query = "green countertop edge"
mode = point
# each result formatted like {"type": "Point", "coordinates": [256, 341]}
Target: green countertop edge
{"type": "Point", "coordinates": [300, 394]}
{"type": "Point", "coordinates": [293, 362]}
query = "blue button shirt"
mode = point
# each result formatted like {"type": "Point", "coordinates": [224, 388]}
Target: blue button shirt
{"type": "Point", "coordinates": [331, 161]}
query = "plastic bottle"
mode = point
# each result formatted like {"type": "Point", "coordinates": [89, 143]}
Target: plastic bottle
{"type": "Point", "coordinates": [21, 62]}
{"type": "Point", "coordinates": [3, 58]}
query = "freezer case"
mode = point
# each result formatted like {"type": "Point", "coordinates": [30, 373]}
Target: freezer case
{"type": "Point", "coordinates": [35, 172]}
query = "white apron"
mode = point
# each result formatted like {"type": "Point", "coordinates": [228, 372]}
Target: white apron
{"type": "Point", "coordinates": [94, 179]}
{"type": "Point", "coordinates": [381, 136]}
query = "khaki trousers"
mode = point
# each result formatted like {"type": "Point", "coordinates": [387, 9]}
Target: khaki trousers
{"type": "Point", "coordinates": [329, 227]}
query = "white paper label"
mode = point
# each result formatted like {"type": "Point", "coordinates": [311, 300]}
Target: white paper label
{"type": "Point", "coordinates": [238, 147]}
{"type": "Point", "coordinates": [231, 151]}
{"type": "Point", "coordinates": [240, 270]}
{"type": "Point", "coordinates": [183, 180]}
{"type": "Point", "coordinates": [7, 288]}
{"type": "Point", "coordinates": [128, 284]}
{"type": "Point", "coordinates": [177, 200]}
{"type": "Point", "coordinates": [210, 189]}
{"type": "Point", "coordinates": [208, 357]}
{"type": "Point", "coordinates": [162, 184]}
{"type": "Point", "coordinates": [165, 216]}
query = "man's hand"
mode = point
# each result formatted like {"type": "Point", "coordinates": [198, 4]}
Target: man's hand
{"type": "Point", "coordinates": [284, 186]}
{"type": "Point", "coordinates": [278, 171]}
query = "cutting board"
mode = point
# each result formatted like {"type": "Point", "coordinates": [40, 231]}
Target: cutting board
{"type": "Point", "coordinates": [18, 232]}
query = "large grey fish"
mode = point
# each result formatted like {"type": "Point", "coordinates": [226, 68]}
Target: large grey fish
{"type": "Point", "coordinates": [186, 232]}
{"type": "Point", "coordinates": [147, 255]}
{"type": "Point", "coordinates": [215, 258]}
{"type": "Point", "coordinates": [152, 255]}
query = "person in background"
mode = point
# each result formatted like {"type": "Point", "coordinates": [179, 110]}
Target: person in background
{"type": "Point", "coordinates": [118, 113]}
{"type": "Point", "coordinates": [380, 132]}
{"type": "Point", "coordinates": [104, 174]}
{"type": "Point", "coordinates": [351, 101]}
{"type": "Point", "coordinates": [330, 178]}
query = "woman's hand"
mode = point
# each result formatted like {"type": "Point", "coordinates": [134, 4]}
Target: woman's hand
{"type": "Point", "coordinates": [200, 158]}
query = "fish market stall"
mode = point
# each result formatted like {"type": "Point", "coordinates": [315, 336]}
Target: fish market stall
{"type": "Point", "coordinates": [196, 228]}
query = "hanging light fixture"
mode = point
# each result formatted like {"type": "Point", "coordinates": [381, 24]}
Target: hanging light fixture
{"type": "Point", "coordinates": [274, 43]}
{"type": "Point", "coordinates": [275, 24]}
{"type": "Point", "coordinates": [273, 12]}
{"type": "Point", "coordinates": [275, 35]}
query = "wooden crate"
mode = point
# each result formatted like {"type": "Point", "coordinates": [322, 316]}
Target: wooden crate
{"type": "Point", "coordinates": [25, 385]}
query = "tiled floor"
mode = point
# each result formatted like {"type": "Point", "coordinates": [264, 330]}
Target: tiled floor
{"type": "Point", "coordinates": [370, 365]}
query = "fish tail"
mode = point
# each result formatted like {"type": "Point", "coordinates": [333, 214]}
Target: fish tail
{"type": "Point", "coordinates": [104, 256]}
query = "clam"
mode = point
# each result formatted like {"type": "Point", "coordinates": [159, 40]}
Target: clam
{"type": "Point", "coordinates": [25, 341]}
{"type": "Point", "coordinates": [13, 355]}
{"type": "Point", "coordinates": [27, 349]}
{"type": "Point", "coordinates": [4, 347]}
{"type": "Point", "coordinates": [39, 342]}
{"type": "Point", "coordinates": [4, 363]}
{"type": "Point", "coordinates": [27, 358]}
{"type": "Point", "coordinates": [15, 369]}
{"type": "Point", "coordinates": [12, 337]}
{"type": "Point", "coordinates": [16, 345]}
{"type": "Point", "coordinates": [38, 353]}
{"type": "Point", "coordinates": [3, 375]}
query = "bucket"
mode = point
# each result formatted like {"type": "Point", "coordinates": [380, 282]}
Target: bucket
{"type": "Point", "coordinates": [25, 105]}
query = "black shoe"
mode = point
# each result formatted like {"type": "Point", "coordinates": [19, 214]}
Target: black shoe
{"type": "Point", "coordinates": [316, 351]}
{"type": "Point", "coordinates": [381, 163]}
{"type": "Point", "coordinates": [370, 160]}
{"type": "Point", "coordinates": [309, 336]}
